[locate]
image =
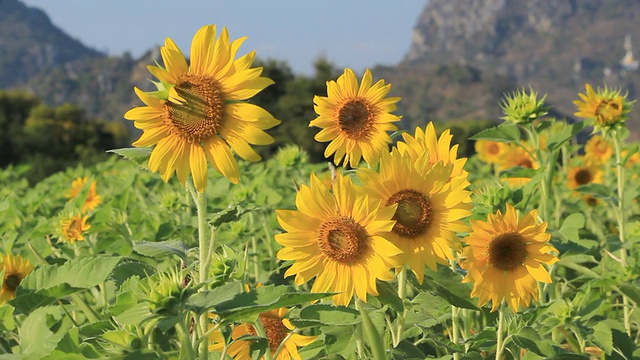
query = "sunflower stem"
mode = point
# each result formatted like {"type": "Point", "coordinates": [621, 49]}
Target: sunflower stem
{"type": "Point", "coordinates": [454, 330]}
{"type": "Point", "coordinates": [500, 335]}
{"type": "Point", "coordinates": [617, 141]}
{"type": "Point", "coordinates": [186, 351]}
{"type": "Point", "coordinates": [359, 334]}
{"type": "Point", "coordinates": [402, 293]}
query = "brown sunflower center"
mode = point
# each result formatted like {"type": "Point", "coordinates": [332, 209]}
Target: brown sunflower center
{"type": "Point", "coordinates": [12, 281]}
{"type": "Point", "coordinates": [342, 239]}
{"type": "Point", "coordinates": [355, 118]}
{"type": "Point", "coordinates": [609, 111]}
{"type": "Point", "coordinates": [507, 251]}
{"type": "Point", "coordinates": [275, 329]}
{"type": "Point", "coordinates": [583, 177]}
{"type": "Point", "coordinates": [200, 114]}
{"type": "Point", "coordinates": [414, 214]}
{"type": "Point", "coordinates": [525, 163]}
{"type": "Point", "coordinates": [493, 149]}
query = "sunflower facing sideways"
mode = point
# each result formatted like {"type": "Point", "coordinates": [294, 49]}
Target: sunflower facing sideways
{"type": "Point", "coordinates": [277, 329]}
{"type": "Point", "coordinates": [504, 258]}
{"type": "Point", "coordinates": [15, 270]}
{"type": "Point", "coordinates": [355, 119]}
{"type": "Point", "coordinates": [336, 238]}
{"type": "Point", "coordinates": [429, 209]}
{"type": "Point", "coordinates": [198, 116]}
{"type": "Point", "coordinates": [93, 199]}
{"type": "Point", "coordinates": [72, 228]}
{"type": "Point", "coordinates": [598, 150]}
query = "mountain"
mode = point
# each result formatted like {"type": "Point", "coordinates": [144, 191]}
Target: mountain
{"type": "Point", "coordinates": [31, 44]}
{"type": "Point", "coordinates": [554, 46]}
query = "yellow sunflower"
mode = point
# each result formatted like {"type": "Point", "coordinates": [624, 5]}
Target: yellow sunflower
{"type": "Point", "coordinates": [277, 328]}
{"type": "Point", "coordinates": [504, 258]}
{"type": "Point", "coordinates": [73, 228]}
{"type": "Point", "coordinates": [336, 237]}
{"type": "Point", "coordinates": [93, 199]}
{"type": "Point", "coordinates": [197, 114]}
{"type": "Point", "coordinates": [513, 156]}
{"type": "Point", "coordinates": [489, 151]}
{"type": "Point", "coordinates": [15, 269]}
{"type": "Point", "coordinates": [605, 106]}
{"type": "Point", "coordinates": [585, 174]}
{"type": "Point", "coordinates": [355, 118]}
{"type": "Point", "coordinates": [598, 150]}
{"type": "Point", "coordinates": [438, 148]}
{"type": "Point", "coordinates": [429, 209]}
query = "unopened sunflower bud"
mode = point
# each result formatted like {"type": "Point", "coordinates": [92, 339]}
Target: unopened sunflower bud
{"type": "Point", "coordinates": [522, 108]}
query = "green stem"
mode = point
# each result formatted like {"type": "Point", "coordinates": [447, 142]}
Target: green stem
{"type": "Point", "coordinates": [261, 332]}
{"type": "Point", "coordinates": [455, 338]}
{"type": "Point", "coordinates": [86, 309]}
{"type": "Point", "coordinates": [621, 223]}
{"type": "Point", "coordinates": [186, 351]}
{"type": "Point", "coordinates": [500, 335]}
{"type": "Point", "coordinates": [402, 293]}
{"type": "Point", "coordinates": [359, 335]}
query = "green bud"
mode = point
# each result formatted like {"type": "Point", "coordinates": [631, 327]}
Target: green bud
{"type": "Point", "coordinates": [522, 108]}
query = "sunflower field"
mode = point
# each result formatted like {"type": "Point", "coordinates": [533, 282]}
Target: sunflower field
{"type": "Point", "coordinates": [189, 246]}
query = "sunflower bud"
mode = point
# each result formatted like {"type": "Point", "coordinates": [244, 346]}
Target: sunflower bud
{"type": "Point", "coordinates": [522, 108]}
{"type": "Point", "coordinates": [224, 267]}
{"type": "Point", "coordinates": [167, 293]}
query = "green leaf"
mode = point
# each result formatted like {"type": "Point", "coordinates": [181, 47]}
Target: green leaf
{"type": "Point", "coordinates": [84, 273]}
{"type": "Point", "coordinates": [571, 225]}
{"type": "Point", "coordinates": [139, 156]}
{"type": "Point", "coordinates": [36, 339]}
{"type": "Point", "coordinates": [331, 315]}
{"type": "Point", "coordinates": [372, 335]}
{"type": "Point", "coordinates": [519, 172]}
{"type": "Point", "coordinates": [406, 350]}
{"type": "Point", "coordinates": [161, 249]}
{"type": "Point", "coordinates": [623, 345]}
{"type": "Point", "coordinates": [205, 300]}
{"type": "Point", "coordinates": [232, 213]}
{"type": "Point", "coordinates": [597, 190]}
{"type": "Point", "coordinates": [505, 132]}
{"type": "Point", "coordinates": [631, 291]}
{"type": "Point", "coordinates": [6, 318]}
{"type": "Point", "coordinates": [135, 315]}
{"type": "Point", "coordinates": [528, 338]}
{"type": "Point", "coordinates": [558, 138]}
{"type": "Point", "coordinates": [447, 285]}
{"type": "Point", "coordinates": [28, 301]}
{"type": "Point", "coordinates": [388, 296]}
{"type": "Point", "coordinates": [603, 336]}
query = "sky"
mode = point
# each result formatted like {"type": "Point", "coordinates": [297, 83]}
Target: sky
{"type": "Point", "coordinates": [356, 34]}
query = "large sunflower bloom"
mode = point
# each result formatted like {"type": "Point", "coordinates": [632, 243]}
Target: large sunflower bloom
{"type": "Point", "coordinates": [438, 148]}
{"type": "Point", "coordinates": [197, 114]}
{"type": "Point", "coordinates": [73, 228]}
{"type": "Point", "coordinates": [336, 237]}
{"type": "Point", "coordinates": [589, 173]}
{"type": "Point", "coordinates": [429, 209]}
{"type": "Point", "coordinates": [605, 106]}
{"type": "Point", "coordinates": [355, 118]}
{"type": "Point", "coordinates": [15, 269]}
{"type": "Point", "coordinates": [276, 327]}
{"type": "Point", "coordinates": [598, 150]}
{"type": "Point", "coordinates": [93, 199]}
{"type": "Point", "coordinates": [504, 258]}
{"type": "Point", "coordinates": [489, 151]}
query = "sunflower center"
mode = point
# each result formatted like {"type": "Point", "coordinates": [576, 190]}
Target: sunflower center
{"type": "Point", "coordinates": [355, 118]}
{"type": "Point", "coordinates": [608, 111]}
{"type": "Point", "coordinates": [342, 239]}
{"type": "Point", "coordinates": [12, 281]}
{"type": "Point", "coordinates": [507, 251]}
{"type": "Point", "coordinates": [200, 114]}
{"type": "Point", "coordinates": [275, 329]}
{"type": "Point", "coordinates": [583, 177]}
{"type": "Point", "coordinates": [414, 214]}
{"type": "Point", "coordinates": [493, 149]}
{"type": "Point", "coordinates": [525, 163]}
{"type": "Point", "coordinates": [75, 227]}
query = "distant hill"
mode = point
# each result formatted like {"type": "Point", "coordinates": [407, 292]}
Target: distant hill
{"type": "Point", "coordinates": [554, 46]}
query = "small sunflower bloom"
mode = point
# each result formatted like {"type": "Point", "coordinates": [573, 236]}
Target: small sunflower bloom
{"type": "Point", "coordinates": [73, 228]}
{"type": "Point", "coordinates": [198, 115]}
{"type": "Point", "coordinates": [15, 269]}
{"type": "Point", "coordinates": [522, 108]}
{"type": "Point", "coordinates": [606, 107]}
{"type": "Point", "coordinates": [355, 118]}
{"type": "Point", "coordinates": [589, 173]}
{"type": "Point", "coordinates": [504, 258]}
{"type": "Point", "coordinates": [429, 210]}
{"type": "Point", "coordinates": [489, 151]}
{"type": "Point", "coordinates": [276, 327]}
{"type": "Point", "coordinates": [438, 149]}
{"type": "Point", "coordinates": [336, 237]}
{"type": "Point", "coordinates": [598, 150]}
{"type": "Point", "coordinates": [516, 156]}
{"type": "Point", "coordinates": [93, 199]}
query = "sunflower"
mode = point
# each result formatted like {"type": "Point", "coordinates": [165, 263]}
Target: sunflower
{"type": "Point", "coordinates": [516, 156]}
{"type": "Point", "coordinates": [197, 115]}
{"type": "Point", "coordinates": [429, 209]}
{"type": "Point", "coordinates": [589, 173]}
{"type": "Point", "coordinates": [93, 199]}
{"type": "Point", "coordinates": [355, 118]}
{"type": "Point", "coordinates": [598, 150]}
{"type": "Point", "coordinates": [336, 237]}
{"type": "Point", "coordinates": [438, 148]}
{"type": "Point", "coordinates": [73, 228]}
{"type": "Point", "coordinates": [605, 106]}
{"type": "Point", "coordinates": [489, 151]}
{"type": "Point", "coordinates": [504, 258]}
{"type": "Point", "coordinates": [15, 270]}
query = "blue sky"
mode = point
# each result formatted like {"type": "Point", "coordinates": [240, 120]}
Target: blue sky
{"type": "Point", "coordinates": [356, 34]}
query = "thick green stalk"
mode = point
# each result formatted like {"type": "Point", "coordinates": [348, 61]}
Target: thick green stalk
{"type": "Point", "coordinates": [621, 223]}
{"type": "Point", "coordinates": [455, 336]}
{"type": "Point", "coordinates": [402, 293]}
{"type": "Point", "coordinates": [500, 335]}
